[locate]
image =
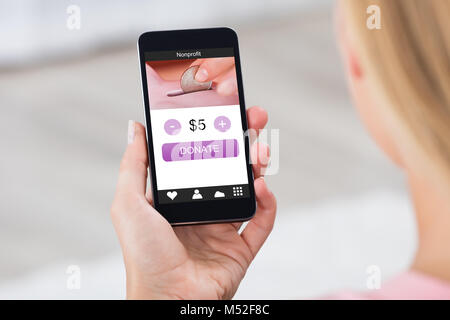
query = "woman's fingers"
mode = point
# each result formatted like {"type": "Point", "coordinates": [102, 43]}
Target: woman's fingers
{"type": "Point", "coordinates": [209, 69]}
{"type": "Point", "coordinates": [259, 163]}
{"type": "Point", "coordinates": [133, 168]}
{"type": "Point", "coordinates": [257, 119]}
{"type": "Point", "coordinates": [260, 155]}
{"type": "Point", "coordinates": [260, 226]}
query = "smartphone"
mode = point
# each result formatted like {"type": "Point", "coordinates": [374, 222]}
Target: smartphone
{"type": "Point", "coordinates": [197, 142]}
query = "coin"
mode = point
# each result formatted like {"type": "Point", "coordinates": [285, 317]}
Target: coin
{"type": "Point", "coordinates": [189, 84]}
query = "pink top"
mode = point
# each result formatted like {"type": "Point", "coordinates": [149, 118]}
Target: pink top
{"type": "Point", "coordinates": [410, 285]}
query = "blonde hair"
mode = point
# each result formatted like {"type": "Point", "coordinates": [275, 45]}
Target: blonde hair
{"type": "Point", "coordinates": [408, 61]}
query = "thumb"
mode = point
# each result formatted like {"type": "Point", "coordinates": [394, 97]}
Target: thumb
{"type": "Point", "coordinates": [209, 69]}
{"type": "Point", "coordinates": [133, 167]}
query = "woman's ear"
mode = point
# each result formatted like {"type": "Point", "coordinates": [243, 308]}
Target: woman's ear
{"type": "Point", "coordinates": [350, 56]}
{"type": "Point", "coordinates": [347, 52]}
{"type": "Point", "coordinates": [353, 64]}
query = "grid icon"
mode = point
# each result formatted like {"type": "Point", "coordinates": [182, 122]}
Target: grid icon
{"type": "Point", "coordinates": [237, 192]}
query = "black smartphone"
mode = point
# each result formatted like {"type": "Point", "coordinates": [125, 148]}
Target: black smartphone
{"type": "Point", "coordinates": [196, 126]}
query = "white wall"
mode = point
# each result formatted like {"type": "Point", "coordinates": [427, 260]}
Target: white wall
{"type": "Point", "coordinates": [34, 30]}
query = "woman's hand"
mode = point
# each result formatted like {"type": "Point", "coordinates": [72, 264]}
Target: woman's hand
{"type": "Point", "coordinates": [219, 70]}
{"type": "Point", "coordinates": [185, 262]}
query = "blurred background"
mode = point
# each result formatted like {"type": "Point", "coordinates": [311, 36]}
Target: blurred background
{"type": "Point", "coordinates": [65, 99]}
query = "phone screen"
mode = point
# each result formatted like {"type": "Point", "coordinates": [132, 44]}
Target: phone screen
{"type": "Point", "coordinates": [196, 128]}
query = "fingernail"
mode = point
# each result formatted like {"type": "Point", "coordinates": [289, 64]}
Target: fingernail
{"type": "Point", "coordinates": [201, 75]}
{"type": "Point", "coordinates": [131, 131]}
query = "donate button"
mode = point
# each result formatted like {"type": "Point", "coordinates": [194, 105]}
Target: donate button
{"type": "Point", "coordinates": [197, 150]}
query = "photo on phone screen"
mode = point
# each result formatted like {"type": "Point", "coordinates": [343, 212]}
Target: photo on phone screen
{"type": "Point", "coordinates": [197, 133]}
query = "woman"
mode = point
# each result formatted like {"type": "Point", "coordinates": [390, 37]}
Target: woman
{"type": "Point", "coordinates": [400, 78]}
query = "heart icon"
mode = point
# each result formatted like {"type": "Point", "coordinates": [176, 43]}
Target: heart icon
{"type": "Point", "coordinates": [172, 194]}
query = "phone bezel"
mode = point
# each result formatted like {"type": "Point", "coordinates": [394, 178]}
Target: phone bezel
{"type": "Point", "coordinates": [214, 211]}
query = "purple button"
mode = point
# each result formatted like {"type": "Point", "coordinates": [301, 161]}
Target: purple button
{"type": "Point", "coordinates": [197, 150]}
{"type": "Point", "coordinates": [222, 123]}
{"type": "Point", "coordinates": [172, 127]}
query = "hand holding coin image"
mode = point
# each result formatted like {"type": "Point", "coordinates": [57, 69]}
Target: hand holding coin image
{"type": "Point", "coordinates": [188, 83]}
